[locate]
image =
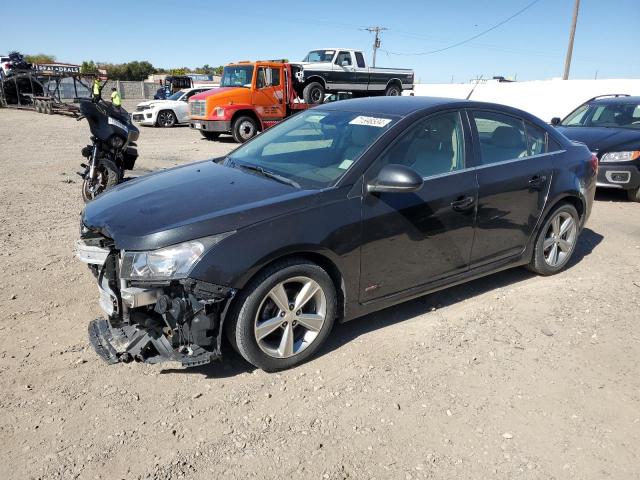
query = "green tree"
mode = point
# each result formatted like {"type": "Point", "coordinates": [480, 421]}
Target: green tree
{"type": "Point", "coordinates": [88, 67]}
{"type": "Point", "coordinates": [40, 58]}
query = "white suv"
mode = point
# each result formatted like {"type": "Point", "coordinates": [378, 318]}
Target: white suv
{"type": "Point", "coordinates": [169, 112]}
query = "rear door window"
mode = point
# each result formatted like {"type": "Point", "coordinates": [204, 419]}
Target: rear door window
{"type": "Point", "coordinates": [360, 60]}
{"type": "Point", "coordinates": [502, 137]}
{"type": "Point", "coordinates": [536, 139]}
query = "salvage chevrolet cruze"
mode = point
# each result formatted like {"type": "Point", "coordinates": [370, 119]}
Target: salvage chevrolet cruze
{"type": "Point", "coordinates": [342, 210]}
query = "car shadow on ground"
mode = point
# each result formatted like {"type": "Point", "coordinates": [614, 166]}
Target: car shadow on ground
{"type": "Point", "coordinates": [611, 195]}
{"type": "Point", "coordinates": [233, 364]}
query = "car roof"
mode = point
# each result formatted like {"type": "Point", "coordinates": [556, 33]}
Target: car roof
{"type": "Point", "coordinates": [616, 100]}
{"type": "Point", "coordinates": [406, 105]}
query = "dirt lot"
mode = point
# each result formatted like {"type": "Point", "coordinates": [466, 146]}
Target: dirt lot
{"type": "Point", "coordinates": [511, 376]}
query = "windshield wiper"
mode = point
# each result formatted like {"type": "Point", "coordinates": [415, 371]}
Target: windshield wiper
{"type": "Point", "coordinates": [264, 173]}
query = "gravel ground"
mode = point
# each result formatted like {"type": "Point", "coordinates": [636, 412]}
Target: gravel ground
{"type": "Point", "coordinates": [510, 376]}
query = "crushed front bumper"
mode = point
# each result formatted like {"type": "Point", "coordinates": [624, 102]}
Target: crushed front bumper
{"type": "Point", "coordinates": [175, 320]}
{"type": "Point", "coordinates": [128, 343]}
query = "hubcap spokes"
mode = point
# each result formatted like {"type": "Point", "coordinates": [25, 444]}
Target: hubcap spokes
{"type": "Point", "coordinates": [290, 317]}
{"type": "Point", "coordinates": [559, 239]}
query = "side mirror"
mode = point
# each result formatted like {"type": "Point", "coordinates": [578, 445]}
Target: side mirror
{"type": "Point", "coordinates": [555, 121]}
{"type": "Point", "coordinates": [345, 63]}
{"type": "Point", "coordinates": [396, 178]}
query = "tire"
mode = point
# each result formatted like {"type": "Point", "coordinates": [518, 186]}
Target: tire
{"type": "Point", "coordinates": [166, 119]}
{"type": "Point", "coordinates": [549, 254]}
{"type": "Point", "coordinates": [244, 128]}
{"type": "Point", "coordinates": [48, 108]}
{"type": "Point", "coordinates": [108, 177]}
{"type": "Point", "coordinates": [38, 106]}
{"type": "Point", "coordinates": [634, 195]}
{"type": "Point", "coordinates": [313, 93]}
{"type": "Point", "coordinates": [255, 308]}
{"type": "Point", "coordinates": [210, 135]}
{"type": "Point", "coordinates": [393, 90]}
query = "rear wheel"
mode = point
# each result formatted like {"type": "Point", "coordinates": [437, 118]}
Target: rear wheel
{"type": "Point", "coordinates": [244, 128]}
{"type": "Point", "coordinates": [634, 194]}
{"type": "Point", "coordinates": [556, 240]}
{"type": "Point", "coordinates": [107, 176]}
{"type": "Point", "coordinates": [313, 93]}
{"type": "Point", "coordinates": [393, 90]}
{"type": "Point", "coordinates": [48, 108]}
{"type": "Point", "coordinates": [284, 315]}
{"type": "Point", "coordinates": [166, 119]}
{"type": "Point", "coordinates": [38, 106]}
{"type": "Point", "coordinates": [210, 135]}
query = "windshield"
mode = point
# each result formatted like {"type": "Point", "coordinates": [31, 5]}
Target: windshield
{"type": "Point", "coordinates": [617, 115]}
{"type": "Point", "coordinates": [175, 96]}
{"type": "Point", "coordinates": [313, 149]}
{"type": "Point", "coordinates": [319, 56]}
{"type": "Point", "coordinates": [235, 76]}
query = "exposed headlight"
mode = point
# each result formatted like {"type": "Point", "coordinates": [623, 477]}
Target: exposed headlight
{"type": "Point", "coordinates": [219, 112]}
{"type": "Point", "coordinates": [620, 156]}
{"type": "Point", "coordinates": [167, 263]}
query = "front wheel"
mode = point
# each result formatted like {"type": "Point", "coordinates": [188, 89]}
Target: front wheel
{"type": "Point", "coordinates": [313, 93]}
{"type": "Point", "coordinates": [284, 315]}
{"type": "Point", "coordinates": [556, 240]}
{"type": "Point", "coordinates": [107, 176]}
{"type": "Point", "coordinates": [166, 119]}
{"type": "Point", "coordinates": [210, 135]}
{"type": "Point", "coordinates": [634, 194]}
{"type": "Point", "coordinates": [244, 128]}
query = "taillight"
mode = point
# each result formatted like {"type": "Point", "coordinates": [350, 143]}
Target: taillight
{"type": "Point", "coordinates": [594, 162]}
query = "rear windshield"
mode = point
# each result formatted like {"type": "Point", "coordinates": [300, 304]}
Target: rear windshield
{"type": "Point", "coordinates": [612, 115]}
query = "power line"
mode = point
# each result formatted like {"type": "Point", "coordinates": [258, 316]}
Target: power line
{"type": "Point", "coordinates": [467, 40]}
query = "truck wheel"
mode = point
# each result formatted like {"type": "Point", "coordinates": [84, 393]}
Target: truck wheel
{"type": "Point", "coordinates": [393, 90]}
{"type": "Point", "coordinates": [38, 106]}
{"type": "Point", "coordinates": [210, 135]}
{"type": "Point", "coordinates": [313, 93]}
{"type": "Point", "coordinates": [48, 108]}
{"type": "Point", "coordinates": [244, 128]}
{"type": "Point", "coordinates": [634, 194]}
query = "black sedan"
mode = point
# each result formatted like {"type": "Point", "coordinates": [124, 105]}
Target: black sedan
{"type": "Point", "coordinates": [341, 210]}
{"type": "Point", "coordinates": [610, 127]}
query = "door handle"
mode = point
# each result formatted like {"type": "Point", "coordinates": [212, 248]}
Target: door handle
{"type": "Point", "coordinates": [463, 203]}
{"type": "Point", "coordinates": [537, 181]}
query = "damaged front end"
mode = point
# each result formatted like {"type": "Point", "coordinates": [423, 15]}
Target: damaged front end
{"type": "Point", "coordinates": [154, 311]}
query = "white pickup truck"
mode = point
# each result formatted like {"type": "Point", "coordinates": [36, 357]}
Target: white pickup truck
{"type": "Point", "coordinates": [345, 70]}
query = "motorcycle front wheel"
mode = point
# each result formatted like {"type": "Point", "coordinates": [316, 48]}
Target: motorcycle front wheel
{"type": "Point", "coordinates": [107, 176]}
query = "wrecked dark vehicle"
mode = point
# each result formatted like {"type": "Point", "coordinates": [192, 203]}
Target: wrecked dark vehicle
{"type": "Point", "coordinates": [339, 211]}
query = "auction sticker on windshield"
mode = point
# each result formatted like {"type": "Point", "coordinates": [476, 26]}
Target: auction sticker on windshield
{"type": "Point", "coordinates": [370, 121]}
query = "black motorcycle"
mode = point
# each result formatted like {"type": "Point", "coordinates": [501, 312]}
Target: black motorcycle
{"type": "Point", "coordinates": [113, 149]}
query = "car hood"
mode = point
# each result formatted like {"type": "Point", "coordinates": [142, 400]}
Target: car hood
{"type": "Point", "coordinates": [189, 202]}
{"type": "Point", "coordinates": [154, 103]}
{"type": "Point", "coordinates": [602, 139]}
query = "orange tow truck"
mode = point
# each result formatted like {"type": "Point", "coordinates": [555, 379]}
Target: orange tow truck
{"type": "Point", "coordinates": [252, 97]}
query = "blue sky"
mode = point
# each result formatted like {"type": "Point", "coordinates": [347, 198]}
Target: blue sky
{"type": "Point", "coordinates": [171, 33]}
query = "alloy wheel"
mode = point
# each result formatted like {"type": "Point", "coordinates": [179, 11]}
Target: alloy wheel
{"type": "Point", "coordinates": [559, 239]}
{"type": "Point", "coordinates": [166, 119]}
{"type": "Point", "coordinates": [290, 317]}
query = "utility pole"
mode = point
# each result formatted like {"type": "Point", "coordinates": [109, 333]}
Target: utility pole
{"type": "Point", "coordinates": [376, 41]}
{"type": "Point", "coordinates": [572, 34]}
